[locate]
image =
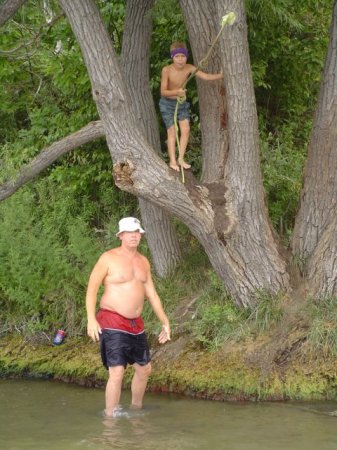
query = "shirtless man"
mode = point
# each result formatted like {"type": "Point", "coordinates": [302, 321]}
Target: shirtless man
{"type": "Point", "coordinates": [173, 78]}
{"type": "Point", "coordinates": [118, 325]}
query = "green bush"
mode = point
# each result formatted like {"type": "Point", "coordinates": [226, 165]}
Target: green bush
{"type": "Point", "coordinates": [282, 168]}
{"type": "Point", "coordinates": [216, 318]}
{"type": "Point", "coordinates": [49, 243]}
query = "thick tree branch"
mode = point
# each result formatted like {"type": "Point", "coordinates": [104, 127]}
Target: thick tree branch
{"type": "Point", "coordinates": [93, 130]}
{"type": "Point", "coordinates": [8, 9]}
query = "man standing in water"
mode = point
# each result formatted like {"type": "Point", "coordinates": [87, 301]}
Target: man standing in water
{"type": "Point", "coordinates": [127, 280]}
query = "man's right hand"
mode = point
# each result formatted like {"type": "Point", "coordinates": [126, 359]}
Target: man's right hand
{"type": "Point", "coordinates": [94, 330]}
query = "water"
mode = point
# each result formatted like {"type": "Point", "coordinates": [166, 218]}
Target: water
{"type": "Point", "coordinates": [46, 415]}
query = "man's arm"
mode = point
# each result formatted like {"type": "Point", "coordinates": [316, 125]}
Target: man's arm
{"type": "Point", "coordinates": [95, 280]}
{"type": "Point", "coordinates": [153, 298]}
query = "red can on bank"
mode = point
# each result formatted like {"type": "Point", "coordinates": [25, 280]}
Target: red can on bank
{"type": "Point", "coordinates": [59, 337]}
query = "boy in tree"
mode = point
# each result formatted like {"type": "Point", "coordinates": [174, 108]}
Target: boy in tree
{"type": "Point", "coordinates": [173, 78]}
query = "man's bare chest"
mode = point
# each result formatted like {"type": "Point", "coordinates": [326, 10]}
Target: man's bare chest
{"type": "Point", "coordinates": [126, 273]}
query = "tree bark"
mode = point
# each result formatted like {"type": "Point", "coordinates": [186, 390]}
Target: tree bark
{"type": "Point", "coordinates": [319, 193]}
{"type": "Point", "coordinates": [161, 236]}
{"type": "Point", "coordinates": [202, 29]}
{"type": "Point", "coordinates": [252, 252]}
{"type": "Point", "coordinates": [247, 260]}
{"type": "Point", "coordinates": [314, 238]}
{"type": "Point", "coordinates": [322, 266]}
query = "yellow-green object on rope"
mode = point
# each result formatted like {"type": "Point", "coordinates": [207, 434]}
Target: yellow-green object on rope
{"type": "Point", "coordinates": [228, 19]}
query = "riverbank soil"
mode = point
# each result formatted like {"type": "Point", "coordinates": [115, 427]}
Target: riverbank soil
{"type": "Point", "coordinates": [278, 365]}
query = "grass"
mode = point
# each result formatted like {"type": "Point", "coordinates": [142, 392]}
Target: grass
{"type": "Point", "coordinates": [322, 335]}
{"type": "Point", "coordinates": [267, 311]}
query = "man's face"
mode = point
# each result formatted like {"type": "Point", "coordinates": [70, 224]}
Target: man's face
{"type": "Point", "coordinates": [179, 59]}
{"type": "Point", "coordinates": [130, 238]}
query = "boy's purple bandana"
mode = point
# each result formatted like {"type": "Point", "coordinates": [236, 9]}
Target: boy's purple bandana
{"type": "Point", "coordinates": [179, 51]}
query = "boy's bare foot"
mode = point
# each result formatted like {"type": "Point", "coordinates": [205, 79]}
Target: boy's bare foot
{"type": "Point", "coordinates": [185, 165]}
{"type": "Point", "coordinates": [174, 166]}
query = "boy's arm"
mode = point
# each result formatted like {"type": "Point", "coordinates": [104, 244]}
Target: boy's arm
{"type": "Point", "coordinates": [209, 76]}
{"type": "Point", "coordinates": [164, 86]}
{"type": "Point", "coordinates": [95, 280]}
{"type": "Point", "coordinates": [153, 298]}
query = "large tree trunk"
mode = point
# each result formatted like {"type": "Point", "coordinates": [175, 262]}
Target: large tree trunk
{"type": "Point", "coordinates": [319, 194]}
{"type": "Point", "coordinates": [247, 259]}
{"type": "Point", "coordinates": [314, 237]}
{"type": "Point", "coordinates": [240, 161]}
{"type": "Point", "coordinates": [161, 236]}
{"type": "Point", "coordinates": [251, 251]}
{"type": "Point", "coordinates": [202, 29]}
{"type": "Point", "coordinates": [322, 266]}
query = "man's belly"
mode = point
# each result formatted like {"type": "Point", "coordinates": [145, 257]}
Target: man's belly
{"type": "Point", "coordinates": [127, 307]}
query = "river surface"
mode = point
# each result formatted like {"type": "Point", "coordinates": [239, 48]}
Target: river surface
{"type": "Point", "coordinates": [47, 415]}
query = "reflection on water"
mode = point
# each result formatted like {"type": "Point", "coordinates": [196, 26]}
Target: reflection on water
{"type": "Point", "coordinates": [45, 415]}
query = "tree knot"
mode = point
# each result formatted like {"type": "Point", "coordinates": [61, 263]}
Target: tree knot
{"type": "Point", "coordinates": [122, 174]}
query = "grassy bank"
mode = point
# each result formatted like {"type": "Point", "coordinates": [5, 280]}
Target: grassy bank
{"type": "Point", "coordinates": [178, 367]}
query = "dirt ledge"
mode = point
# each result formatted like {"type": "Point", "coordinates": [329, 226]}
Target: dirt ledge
{"type": "Point", "coordinates": [226, 375]}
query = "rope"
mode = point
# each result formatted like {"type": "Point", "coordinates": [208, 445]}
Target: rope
{"type": "Point", "coordinates": [227, 19]}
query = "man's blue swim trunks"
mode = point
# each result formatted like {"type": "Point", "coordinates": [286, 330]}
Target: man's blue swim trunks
{"type": "Point", "coordinates": [167, 108]}
{"type": "Point", "coordinates": [122, 341]}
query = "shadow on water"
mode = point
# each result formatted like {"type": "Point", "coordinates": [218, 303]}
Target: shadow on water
{"type": "Point", "coordinates": [45, 415]}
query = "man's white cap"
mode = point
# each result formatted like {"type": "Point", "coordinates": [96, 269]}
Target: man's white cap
{"type": "Point", "coordinates": [129, 224]}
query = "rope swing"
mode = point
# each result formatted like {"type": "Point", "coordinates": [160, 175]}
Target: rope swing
{"type": "Point", "coordinates": [228, 19]}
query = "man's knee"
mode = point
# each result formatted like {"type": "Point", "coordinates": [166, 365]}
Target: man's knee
{"type": "Point", "coordinates": [116, 373]}
{"type": "Point", "coordinates": [143, 371]}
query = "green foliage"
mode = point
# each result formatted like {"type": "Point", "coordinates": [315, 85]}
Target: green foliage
{"type": "Point", "coordinates": [113, 13]}
{"type": "Point", "coordinates": [322, 334]}
{"type": "Point", "coordinates": [29, 60]}
{"type": "Point", "coordinates": [49, 243]}
{"type": "Point", "coordinates": [282, 168]}
{"type": "Point", "coordinates": [188, 279]}
{"type": "Point", "coordinates": [168, 24]}
{"type": "Point", "coordinates": [216, 318]}
{"type": "Point", "coordinates": [46, 90]}
{"type": "Point", "coordinates": [288, 42]}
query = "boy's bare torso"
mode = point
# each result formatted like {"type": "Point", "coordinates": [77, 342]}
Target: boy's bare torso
{"type": "Point", "coordinates": [124, 284]}
{"type": "Point", "coordinates": [175, 75]}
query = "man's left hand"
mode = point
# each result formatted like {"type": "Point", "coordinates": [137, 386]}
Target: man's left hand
{"type": "Point", "coordinates": [165, 334]}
